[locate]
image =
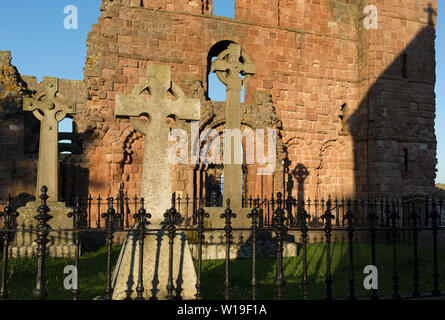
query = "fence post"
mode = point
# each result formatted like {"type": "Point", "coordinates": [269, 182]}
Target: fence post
{"type": "Point", "coordinates": [316, 216]}
{"type": "Point", "coordinates": [395, 217]}
{"type": "Point", "coordinates": [415, 217]}
{"type": "Point", "coordinates": [266, 209]}
{"type": "Point", "coordinates": [279, 220]}
{"type": "Point", "coordinates": [337, 213]}
{"type": "Point", "coordinates": [373, 218]}
{"type": "Point", "coordinates": [77, 214]}
{"type": "Point", "coordinates": [110, 216]}
{"type": "Point", "coordinates": [427, 210]}
{"type": "Point", "coordinates": [327, 218]}
{"type": "Point", "coordinates": [90, 200]}
{"type": "Point", "coordinates": [304, 218]}
{"type": "Point", "coordinates": [187, 203]}
{"type": "Point", "coordinates": [382, 209]}
{"type": "Point", "coordinates": [172, 218]}
{"type": "Point", "coordinates": [9, 214]}
{"type": "Point", "coordinates": [99, 199]}
{"type": "Point", "coordinates": [227, 215]}
{"type": "Point", "coordinates": [141, 218]}
{"type": "Point", "coordinates": [435, 217]}
{"type": "Point", "coordinates": [200, 216]}
{"type": "Point", "coordinates": [254, 216]}
{"type": "Point", "coordinates": [387, 212]}
{"type": "Point", "coordinates": [272, 202]}
{"type": "Point", "coordinates": [343, 212]}
{"type": "Point", "coordinates": [127, 210]}
{"type": "Point", "coordinates": [350, 216]}
{"type": "Point", "coordinates": [40, 292]}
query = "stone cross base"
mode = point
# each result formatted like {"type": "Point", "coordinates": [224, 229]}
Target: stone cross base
{"type": "Point", "coordinates": [265, 250]}
{"type": "Point", "coordinates": [215, 221]}
{"type": "Point", "coordinates": [54, 251]}
{"type": "Point", "coordinates": [214, 246]}
{"type": "Point", "coordinates": [155, 269]}
{"type": "Point", "coordinates": [61, 242]}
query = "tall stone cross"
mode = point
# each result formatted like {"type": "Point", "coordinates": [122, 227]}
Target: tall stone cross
{"type": "Point", "coordinates": [50, 108]}
{"type": "Point", "coordinates": [156, 176]}
{"type": "Point", "coordinates": [230, 67]}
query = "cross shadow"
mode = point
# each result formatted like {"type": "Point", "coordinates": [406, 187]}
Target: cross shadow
{"type": "Point", "coordinates": [300, 173]}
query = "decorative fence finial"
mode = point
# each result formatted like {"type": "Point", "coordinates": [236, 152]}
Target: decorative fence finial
{"type": "Point", "coordinates": [280, 229]}
{"type": "Point", "coordinates": [40, 292]}
{"type": "Point", "coordinates": [142, 219]}
{"type": "Point", "coordinates": [9, 214]}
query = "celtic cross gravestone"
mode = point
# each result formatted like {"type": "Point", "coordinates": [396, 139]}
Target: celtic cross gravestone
{"type": "Point", "coordinates": [156, 189]}
{"type": "Point", "coordinates": [49, 107]}
{"type": "Point", "coordinates": [233, 68]}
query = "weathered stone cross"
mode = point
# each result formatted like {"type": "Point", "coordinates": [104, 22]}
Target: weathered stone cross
{"type": "Point", "coordinates": [156, 188]}
{"type": "Point", "coordinates": [156, 176]}
{"type": "Point", "coordinates": [229, 67]}
{"type": "Point", "coordinates": [50, 108]}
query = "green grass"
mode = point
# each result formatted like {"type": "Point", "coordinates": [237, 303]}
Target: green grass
{"type": "Point", "coordinates": [214, 271]}
{"type": "Point", "coordinates": [92, 274]}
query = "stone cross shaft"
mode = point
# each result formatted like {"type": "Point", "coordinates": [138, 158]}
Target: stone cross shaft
{"type": "Point", "coordinates": [156, 176]}
{"type": "Point", "coordinates": [50, 108]}
{"type": "Point", "coordinates": [230, 67]}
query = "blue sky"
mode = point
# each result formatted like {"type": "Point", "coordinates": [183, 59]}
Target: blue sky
{"type": "Point", "coordinates": [41, 46]}
{"type": "Point", "coordinates": [440, 92]}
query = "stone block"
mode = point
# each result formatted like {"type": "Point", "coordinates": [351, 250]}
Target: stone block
{"type": "Point", "coordinates": [61, 242]}
{"type": "Point", "coordinates": [155, 268]}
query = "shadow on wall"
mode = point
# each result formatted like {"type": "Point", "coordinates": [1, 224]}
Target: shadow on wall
{"type": "Point", "coordinates": [393, 128]}
{"type": "Point", "coordinates": [299, 174]}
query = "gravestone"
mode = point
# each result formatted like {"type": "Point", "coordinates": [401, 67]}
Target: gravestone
{"type": "Point", "coordinates": [50, 108]}
{"type": "Point", "coordinates": [156, 189]}
{"type": "Point", "coordinates": [230, 67]}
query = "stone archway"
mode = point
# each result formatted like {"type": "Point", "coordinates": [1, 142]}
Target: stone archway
{"type": "Point", "coordinates": [259, 116]}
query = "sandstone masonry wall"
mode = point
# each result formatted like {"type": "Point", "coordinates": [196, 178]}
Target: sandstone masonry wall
{"type": "Point", "coordinates": [355, 107]}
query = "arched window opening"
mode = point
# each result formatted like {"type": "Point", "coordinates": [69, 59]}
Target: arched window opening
{"type": "Point", "coordinates": [224, 8]}
{"type": "Point", "coordinates": [216, 91]}
{"type": "Point", "coordinates": [65, 132]}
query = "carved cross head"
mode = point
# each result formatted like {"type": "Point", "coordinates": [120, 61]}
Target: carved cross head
{"type": "Point", "coordinates": [165, 99]}
{"type": "Point", "coordinates": [48, 102]}
{"type": "Point", "coordinates": [232, 65]}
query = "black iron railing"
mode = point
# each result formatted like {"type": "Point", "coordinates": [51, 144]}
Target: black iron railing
{"type": "Point", "coordinates": [279, 216]}
{"type": "Point", "coordinates": [126, 206]}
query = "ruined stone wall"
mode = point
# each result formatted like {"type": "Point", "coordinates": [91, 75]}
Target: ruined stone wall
{"type": "Point", "coordinates": [356, 115]}
{"type": "Point", "coordinates": [19, 131]}
{"type": "Point", "coordinates": [17, 170]}
{"type": "Point", "coordinates": [309, 73]}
